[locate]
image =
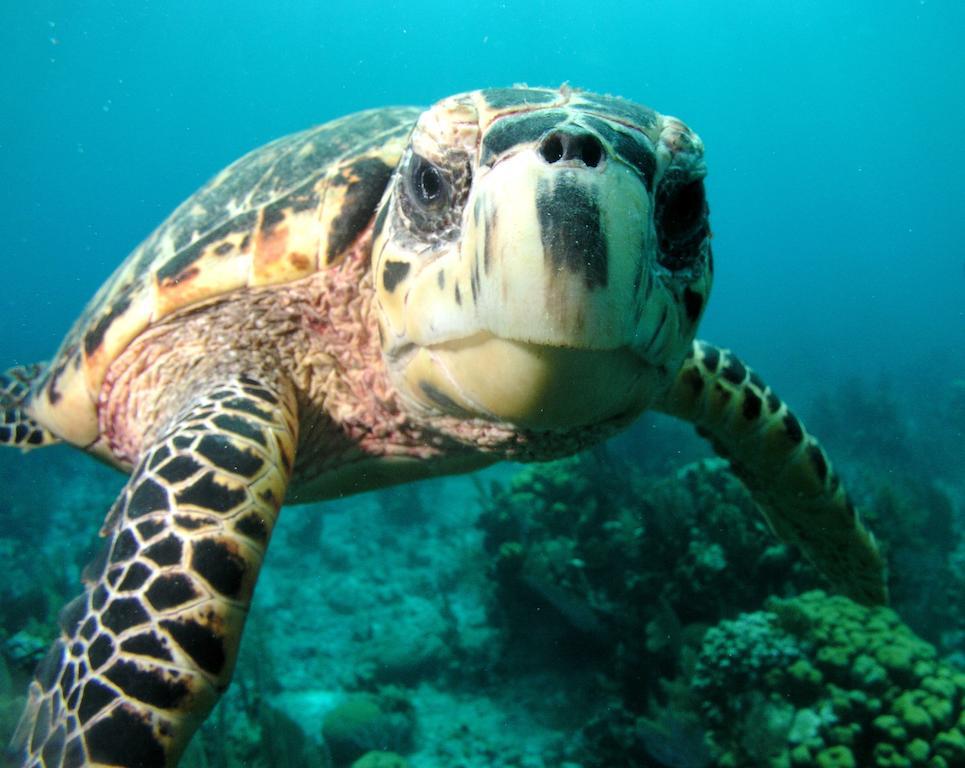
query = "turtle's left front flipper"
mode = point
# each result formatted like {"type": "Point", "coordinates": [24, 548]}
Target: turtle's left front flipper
{"type": "Point", "coordinates": [149, 647]}
{"type": "Point", "coordinates": [783, 466]}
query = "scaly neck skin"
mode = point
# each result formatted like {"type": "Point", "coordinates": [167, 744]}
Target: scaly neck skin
{"type": "Point", "coordinates": [356, 433]}
{"type": "Point", "coordinates": [322, 335]}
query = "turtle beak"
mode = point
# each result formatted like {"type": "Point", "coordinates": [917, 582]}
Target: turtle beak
{"type": "Point", "coordinates": [555, 241]}
{"type": "Point", "coordinates": [530, 385]}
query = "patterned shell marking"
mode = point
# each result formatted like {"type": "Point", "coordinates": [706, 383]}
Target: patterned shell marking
{"type": "Point", "coordinates": [278, 214]}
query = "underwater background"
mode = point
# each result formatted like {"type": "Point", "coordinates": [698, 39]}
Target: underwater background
{"type": "Point", "coordinates": [627, 607]}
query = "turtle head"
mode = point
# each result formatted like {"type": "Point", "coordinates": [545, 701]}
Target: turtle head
{"type": "Point", "coordinates": [541, 258]}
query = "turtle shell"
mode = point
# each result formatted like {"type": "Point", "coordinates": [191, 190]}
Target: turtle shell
{"type": "Point", "coordinates": [278, 214]}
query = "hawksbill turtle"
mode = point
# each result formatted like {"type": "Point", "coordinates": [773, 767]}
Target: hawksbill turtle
{"type": "Point", "coordinates": [513, 273]}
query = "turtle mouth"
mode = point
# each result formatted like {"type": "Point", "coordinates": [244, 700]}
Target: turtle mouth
{"type": "Point", "coordinates": [528, 384]}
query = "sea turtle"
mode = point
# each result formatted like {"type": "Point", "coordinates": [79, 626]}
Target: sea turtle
{"type": "Point", "coordinates": [513, 273]}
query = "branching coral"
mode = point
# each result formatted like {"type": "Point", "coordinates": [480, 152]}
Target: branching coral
{"type": "Point", "coordinates": [628, 561]}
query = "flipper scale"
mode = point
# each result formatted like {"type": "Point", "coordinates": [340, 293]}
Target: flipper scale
{"type": "Point", "coordinates": [783, 466]}
{"type": "Point", "coordinates": [149, 647]}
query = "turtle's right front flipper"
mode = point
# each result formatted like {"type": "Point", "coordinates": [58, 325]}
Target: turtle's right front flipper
{"type": "Point", "coordinates": [17, 428]}
{"type": "Point", "coordinates": [783, 466]}
{"type": "Point", "coordinates": [148, 648]}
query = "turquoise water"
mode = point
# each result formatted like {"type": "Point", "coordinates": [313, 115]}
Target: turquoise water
{"type": "Point", "coordinates": [832, 132]}
{"type": "Point", "coordinates": [834, 146]}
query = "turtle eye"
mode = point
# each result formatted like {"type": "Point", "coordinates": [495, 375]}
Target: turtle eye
{"type": "Point", "coordinates": [432, 197]}
{"type": "Point", "coordinates": [427, 185]}
{"type": "Point", "coordinates": [683, 211]}
{"type": "Point", "coordinates": [681, 223]}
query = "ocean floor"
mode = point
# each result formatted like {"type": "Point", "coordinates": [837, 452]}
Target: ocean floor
{"type": "Point", "coordinates": [388, 589]}
{"type": "Point", "coordinates": [626, 608]}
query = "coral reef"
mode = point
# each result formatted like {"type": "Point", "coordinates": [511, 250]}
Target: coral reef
{"type": "Point", "coordinates": [819, 680]}
{"type": "Point", "coordinates": [47, 534]}
{"type": "Point", "coordinates": [29, 602]}
{"type": "Point", "coordinates": [410, 645]}
{"type": "Point", "coordinates": [618, 737]}
{"type": "Point", "coordinates": [904, 458]}
{"type": "Point", "coordinates": [247, 728]}
{"type": "Point", "coordinates": [365, 723]}
{"type": "Point", "coordinates": [587, 548]}
{"type": "Point", "coordinates": [594, 616]}
{"type": "Point", "coordinates": [267, 738]}
{"type": "Point", "coordinates": [654, 583]}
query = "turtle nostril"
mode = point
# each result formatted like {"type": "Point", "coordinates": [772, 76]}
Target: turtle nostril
{"type": "Point", "coordinates": [590, 151]}
{"type": "Point", "coordinates": [552, 148]}
{"type": "Point", "coordinates": [584, 148]}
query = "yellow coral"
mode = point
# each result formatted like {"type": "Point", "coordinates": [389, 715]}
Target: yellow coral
{"type": "Point", "coordinates": [894, 703]}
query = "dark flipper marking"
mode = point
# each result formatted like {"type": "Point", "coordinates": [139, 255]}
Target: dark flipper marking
{"type": "Point", "coordinates": [16, 427]}
{"type": "Point", "coordinates": [782, 465]}
{"type": "Point", "coordinates": [148, 648]}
